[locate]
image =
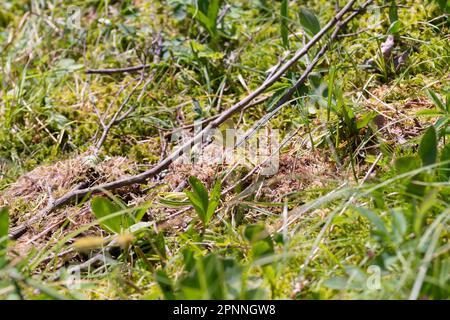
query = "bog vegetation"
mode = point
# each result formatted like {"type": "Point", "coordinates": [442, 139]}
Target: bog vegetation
{"type": "Point", "coordinates": [95, 92]}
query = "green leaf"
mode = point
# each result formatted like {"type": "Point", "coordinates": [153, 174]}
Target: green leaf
{"type": "Point", "coordinates": [206, 12]}
{"type": "Point", "coordinates": [444, 169]}
{"type": "Point", "coordinates": [213, 12]}
{"type": "Point", "coordinates": [399, 225]}
{"type": "Point", "coordinates": [4, 222]}
{"type": "Point", "coordinates": [214, 200]}
{"type": "Point", "coordinates": [206, 280]}
{"type": "Point", "coordinates": [380, 227]}
{"type": "Point", "coordinates": [395, 27]}
{"type": "Point", "coordinates": [199, 198]}
{"type": "Point", "coordinates": [165, 284]}
{"type": "Point", "coordinates": [158, 244]}
{"type": "Point", "coordinates": [309, 21]}
{"type": "Point", "coordinates": [102, 208]}
{"type": "Point", "coordinates": [204, 20]}
{"type": "Point", "coordinates": [433, 96]}
{"type": "Point", "coordinates": [139, 214]}
{"type": "Point", "coordinates": [262, 244]}
{"type": "Point", "coordinates": [444, 5]}
{"type": "Point", "coordinates": [197, 204]}
{"type": "Point", "coordinates": [442, 122]}
{"type": "Point", "coordinates": [4, 226]}
{"type": "Point", "coordinates": [430, 113]}
{"type": "Point", "coordinates": [407, 164]}
{"type": "Point", "coordinates": [393, 12]}
{"type": "Point", "coordinates": [172, 203]}
{"type": "Point", "coordinates": [428, 147]}
{"type": "Point", "coordinates": [365, 119]}
{"type": "Point", "coordinates": [262, 248]}
{"type": "Point", "coordinates": [200, 191]}
{"type": "Point", "coordinates": [284, 22]}
{"type": "Point", "coordinates": [188, 259]}
{"type": "Point", "coordinates": [255, 232]}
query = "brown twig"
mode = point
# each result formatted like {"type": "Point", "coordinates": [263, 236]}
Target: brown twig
{"type": "Point", "coordinates": [118, 70]}
{"type": "Point", "coordinates": [156, 59]}
{"type": "Point", "coordinates": [208, 120]}
{"type": "Point", "coordinates": [119, 115]}
{"type": "Point", "coordinates": [114, 119]}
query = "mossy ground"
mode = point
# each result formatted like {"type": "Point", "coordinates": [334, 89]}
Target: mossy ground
{"type": "Point", "coordinates": [341, 164]}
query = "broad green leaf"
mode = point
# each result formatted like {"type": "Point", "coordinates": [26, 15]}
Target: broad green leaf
{"type": "Point", "coordinates": [103, 207]}
{"type": "Point", "coordinates": [255, 232]}
{"type": "Point", "coordinates": [202, 5]}
{"type": "Point", "coordinates": [188, 259]}
{"type": "Point", "coordinates": [200, 191]}
{"type": "Point", "coordinates": [395, 27]}
{"type": "Point", "coordinates": [213, 269]}
{"type": "Point", "coordinates": [206, 12]}
{"type": "Point", "coordinates": [393, 12]}
{"type": "Point", "coordinates": [4, 227]}
{"type": "Point", "coordinates": [284, 22]}
{"type": "Point", "coordinates": [139, 214]}
{"type": "Point", "coordinates": [4, 222]}
{"type": "Point", "coordinates": [204, 204]}
{"type": "Point", "coordinates": [407, 164]}
{"type": "Point", "coordinates": [365, 119]}
{"type": "Point", "coordinates": [213, 12]}
{"type": "Point", "coordinates": [214, 200]}
{"type": "Point", "coordinates": [309, 21]}
{"type": "Point", "coordinates": [204, 20]}
{"type": "Point", "coordinates": [444, 169]}
{"type": "Point", "coordinates": [197, 204]}
{"type": "Point", "coordinates": [262, 244]}
{"type": "Point", "coordinates": [444, 5]}
{"type": "Point", "coordinates": [199, 198]}
{"type": "Point", "coordinates": [165, 284]}
{"type": "Point", "coordinates": [399, 225]}
{"type": "Point", "coordinates": [206, 279]}
{"type": "Point", "coordinates": [315, 80]}
{"type": "Point", "coordinates": [442, 122]}
{"type": "Point", "coordinates": [380, 227]}
{"type": "Point", "coordinates": [262, 248]}
{"type": "Point", "coordinates": [433, 96]}
{"type": "Point", "coordinates": [428, 147]}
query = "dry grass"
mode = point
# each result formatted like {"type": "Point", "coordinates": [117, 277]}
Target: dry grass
{"type": "Point", "coordinates": [36, 189]}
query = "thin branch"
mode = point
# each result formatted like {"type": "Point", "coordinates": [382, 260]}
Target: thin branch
{"type": "Point", "coordinates": [118, 115]}
{"type": "Point", "coordinates": [113, 121]}
{"type": "Point", "coordinates": [156, 59]}
{"type": "Point", "coordinates": [131, 108]}
{"type": "Point", "coordinates": [208, 120]}
{"type": "Point", "coordinates": [118, 70]}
